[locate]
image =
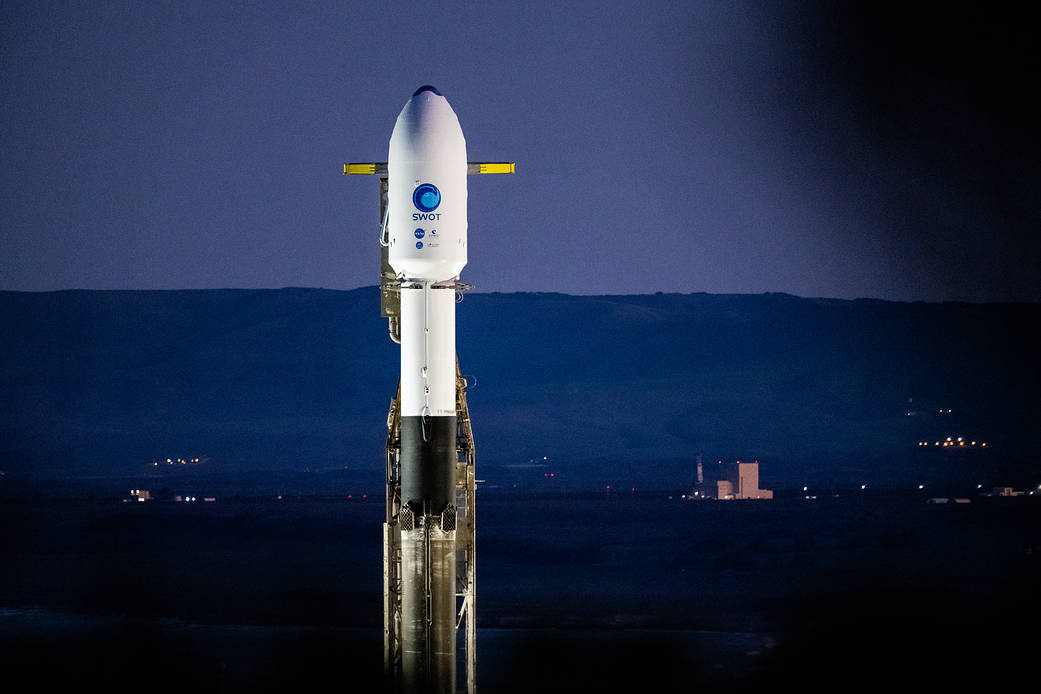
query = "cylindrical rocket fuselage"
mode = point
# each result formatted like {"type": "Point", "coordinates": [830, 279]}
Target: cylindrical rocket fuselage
{"type": "Point", "coordinates": [426, 169]}
{"type": "Point", "coordinates": [428, 417]}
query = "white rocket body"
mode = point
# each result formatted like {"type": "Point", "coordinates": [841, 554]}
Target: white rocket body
{"type": "Point", "coordinates": [426, 171]}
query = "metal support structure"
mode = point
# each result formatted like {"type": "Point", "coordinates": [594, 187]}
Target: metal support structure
{"type": "Point", "coordinates": [390, 297]}
{"type": "Point", "coordinates": [466, 534]}
{"type": "Point", "coordinates": [466, 507]}
{"type": "Point", "coordinates": [392, 547]}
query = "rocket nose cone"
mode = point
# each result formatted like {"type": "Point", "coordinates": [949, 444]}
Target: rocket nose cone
{"type": "Point", "coordinates": [426, 88]}
{"type": "Point", "coordinates": [427, 128]}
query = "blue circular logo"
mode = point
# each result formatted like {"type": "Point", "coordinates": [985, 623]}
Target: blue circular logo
{"type": "Point", "coordinates": [419, 244]}
{"type": "Point", "coordinates": [426, 197]}
{"type": "Point", "coordinates": [419, 233]}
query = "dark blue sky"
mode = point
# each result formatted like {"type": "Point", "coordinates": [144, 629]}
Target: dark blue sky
{"type": "Point", "coordinates": [821, 149]}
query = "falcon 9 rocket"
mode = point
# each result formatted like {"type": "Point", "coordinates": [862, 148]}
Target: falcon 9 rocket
{"type": "Point", "coordinates": [430, 454]}
{"type": "Point", "coordinates": [426, 202]}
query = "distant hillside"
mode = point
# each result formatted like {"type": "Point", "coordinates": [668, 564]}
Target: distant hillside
{"type": "Point", "coordinates": [607, 388]}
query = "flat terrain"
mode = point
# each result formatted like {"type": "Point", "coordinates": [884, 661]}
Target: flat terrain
{"type": "Point", "coordinates": [614, 592]}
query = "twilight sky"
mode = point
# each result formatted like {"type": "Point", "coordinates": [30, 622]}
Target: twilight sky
{"type": "Point", "coordinates": [822, 149]}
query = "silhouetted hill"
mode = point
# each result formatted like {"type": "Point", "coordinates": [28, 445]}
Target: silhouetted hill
{"type": "Point", "coordinates": [608, 388]}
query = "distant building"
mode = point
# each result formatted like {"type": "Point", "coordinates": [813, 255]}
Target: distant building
{"type": "Point", "coordinates": [139, 495]}
{"type": "Point", "coordinates": [736, 480]}
{"type": "Point", "coordinates": [748, 482]}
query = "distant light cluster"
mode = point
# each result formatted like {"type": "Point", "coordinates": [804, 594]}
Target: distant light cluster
{"type": "Point", "coordinates": [146, 495]}
{"type": "Point", "coordinates": [952, 442]}
{"type": "Point", "coordinates": [177, 461]}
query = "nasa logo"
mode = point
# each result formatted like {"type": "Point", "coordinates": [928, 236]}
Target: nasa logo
{"type": "Point", "coordinates": [419, 233]}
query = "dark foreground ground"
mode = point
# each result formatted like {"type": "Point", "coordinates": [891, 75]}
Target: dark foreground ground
{"type": "Point", "coordinates": [624, 593]}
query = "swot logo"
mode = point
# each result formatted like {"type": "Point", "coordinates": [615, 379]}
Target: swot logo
{"type": "Point", "coordinates": [426, 197]}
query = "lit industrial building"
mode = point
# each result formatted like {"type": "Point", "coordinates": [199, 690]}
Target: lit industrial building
{"type": "Point", "coordinates": [730, 480]}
